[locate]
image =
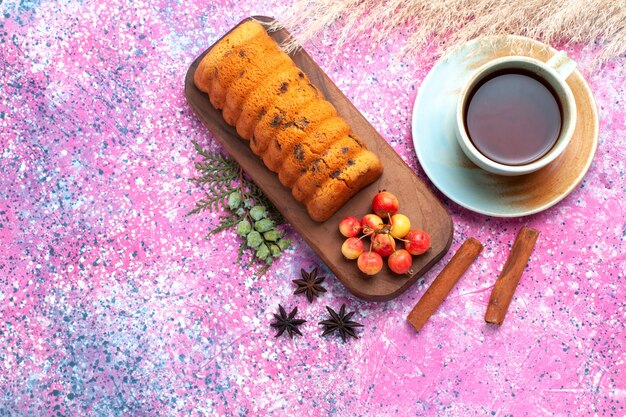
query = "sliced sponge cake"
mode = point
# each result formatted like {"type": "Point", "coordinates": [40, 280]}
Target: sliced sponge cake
{"type": "Point", "coordinates": [294, 130]}
{"type": "Point", "coordinates": [312, 146]}
{"type": "Point", "coordinates": [289, 124]}
{"type": "Point", "coordinates": [304, 152]}
{"type": "Point", "coordinates": [207, 69]}
{"type": "Point", "coordinates": [265, 60]}
{"type": "Point", "coordinates": [328, 165]}
{"type": "Point", "coordinates": [259, 101]}
{"type": "Point", "coordinates": [290, 99]}
{"type": "Point", "coordinates": [364, 169]}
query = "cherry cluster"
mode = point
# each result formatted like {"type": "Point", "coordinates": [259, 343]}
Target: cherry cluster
{"type": "Point", "coordinates": [383, 235]}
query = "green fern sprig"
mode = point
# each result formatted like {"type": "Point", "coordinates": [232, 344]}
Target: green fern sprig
{"type": "Point", "coordinates": [226, 222]}
{"type": "Point", "coordinates": [219, 176]}
{"type": "Point", "coordinates": [246, 208]}
{"type": "Point", "coordinates": [213, 200]}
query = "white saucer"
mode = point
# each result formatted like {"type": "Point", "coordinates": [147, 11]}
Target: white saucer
{"type": "Point", "coordinates": [456, 176]}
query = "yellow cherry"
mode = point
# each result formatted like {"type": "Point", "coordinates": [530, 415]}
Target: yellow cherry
{"type": "Point", "coordinates": [400, 225]}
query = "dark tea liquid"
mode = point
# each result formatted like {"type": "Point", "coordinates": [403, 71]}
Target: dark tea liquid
{"type": "Point", "coordinates": [513, 118]}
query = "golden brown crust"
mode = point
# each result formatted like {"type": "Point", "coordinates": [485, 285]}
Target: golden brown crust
{"type": "Point", "coordinates": [305, 151]}
{"type": "Point", "coordinates": [206, 72]}
{"type": "Point", "coordinates": [258, 102]}
{"type": "Point", "coordinates": [335, 192]}
{"type": "Point", "coordinates": [295, 130]}
{"type": "Point", "coordinates": [329, 164]}
{"type": "Point", "coordinates": [268, 59]}
{"type": "Point", "coordinates": [245, 67]}
{"type": "Point", "coordinates": [290, 99]}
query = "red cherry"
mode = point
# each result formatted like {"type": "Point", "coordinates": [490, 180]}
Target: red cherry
{"type": "Point", "coordinates": [352, 248]}
{"type": "Point", "coordinates": [417, 242]}
{"type": "Point", "coordinates": [400, 261]}
{"type": "Point", "coordinates": [370, 263]}
{"type": "Point", "coordinates": [385, 204]}
{"type": "Point", "coordinates": [371, 223]}
{"type": "Point", "coordinates": [383, 244]}
{"type": "Point", "coordinates": [350, 226]}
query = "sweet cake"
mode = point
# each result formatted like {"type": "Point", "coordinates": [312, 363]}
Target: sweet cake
{"type": "Point", "coordinates": [294, 130]}
{"type": "Point", "coordinates": [290, 99]}
{"type": "Point", "coordinates": [327, 165]}
{"type": "Point", "coordinates": [290, 125]}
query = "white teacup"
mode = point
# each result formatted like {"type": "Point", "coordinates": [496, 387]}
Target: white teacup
{"type": "Point", "coordinates": [552, 73]}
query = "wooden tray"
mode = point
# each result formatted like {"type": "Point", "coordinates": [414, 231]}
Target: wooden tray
{"type": "Point", "coordinates": [416, 201]}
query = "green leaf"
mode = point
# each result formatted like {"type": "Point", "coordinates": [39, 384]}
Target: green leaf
{"type": "Point", "coordinates": [242, 204]}
{"type": "Point", "coordinates": [271, 235]}
{"type": "Point", "coordinates": [226, 222]}
{"type": "Point", "coordinates": [234, 200]}
{"type": "Point", "coordinates": [258, 212]}
{"type": "Point", "coordinates": [243, 228]}
{"type": "Point", "coordinates": [254, 239]}
{"type": "Point", "coordinates": [275, 251]}
{"type": "Point", "coordinates": [263, 252]}
{"type": "Point", "coordinates": [284, 243]}
{"type": "Point", "coordinates": [263, 225]}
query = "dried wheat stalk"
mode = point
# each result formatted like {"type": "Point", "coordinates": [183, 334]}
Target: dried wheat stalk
{"type": "Point", "coordinates": [433, 22]}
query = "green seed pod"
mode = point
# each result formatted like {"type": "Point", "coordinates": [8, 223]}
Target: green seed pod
{"type": "Point", "coordinates": [243, 228]}
{"type": "Point", "coordinates": [275, 250]}
{"type": "Point", "coordinates": [254, 239]}
{"type": "Point", "coordinates": [240, 212]}
{"type": "Point", "coordinates": [283, 243]}
{"type": "Point", "coordinates": [272, 235]}
{"type": "Point", "coordinates": [258, 212]}
{"type": "Point", "coordinates": [234, 200]}
{"type": "Point", "coordinates": [263, 252]}
{"type": "Point", "coordinates": [264, 225]}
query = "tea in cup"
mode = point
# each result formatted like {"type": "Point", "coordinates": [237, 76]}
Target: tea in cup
{"type": "Point", "coordinates": [517, 114]}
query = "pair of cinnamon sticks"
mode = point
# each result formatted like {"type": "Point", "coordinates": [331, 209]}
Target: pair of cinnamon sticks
{"type": "Point", "coordinates": [502, 292]}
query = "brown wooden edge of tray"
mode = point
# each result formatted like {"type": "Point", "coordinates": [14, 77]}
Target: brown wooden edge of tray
{"type": "Point", "coordinates": [235, 148]}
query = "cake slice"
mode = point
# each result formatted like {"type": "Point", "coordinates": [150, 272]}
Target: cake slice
{"type": "Point", "coordinates": [328, 165]}
{"type": "Point", "coordinates": [336, 191]}
{"type": "Point", "coordinates": [207, 70]}
{"type": "Point", "coordinates": [290, 99]}
{"type": "Point", "coordinates": [293, 131]}
{"type": "Point", "coordinates": [258, 102]}
{"type": "Point", "coordinates": [304, 152]}
{"type": "Point", "coordinates": [252, 62]}
{"type": "Point", "coordinates": [269, 59]}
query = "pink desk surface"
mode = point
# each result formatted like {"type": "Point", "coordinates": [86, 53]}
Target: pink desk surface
{"type": "Point", "coordinates": [112, 303]}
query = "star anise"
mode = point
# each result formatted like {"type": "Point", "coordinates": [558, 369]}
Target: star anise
{"type": "Point", "coordinates": [286, 322]}
{"type": "Point", "coordinates": [341, 323]}
{"type": "Point", "coordinates": [310, 284]}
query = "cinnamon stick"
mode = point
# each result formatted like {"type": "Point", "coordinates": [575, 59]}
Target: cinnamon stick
{"type": "Point", "coordinates": [505, 286]}
{"type": "Point", "coordinates": [445, 281]}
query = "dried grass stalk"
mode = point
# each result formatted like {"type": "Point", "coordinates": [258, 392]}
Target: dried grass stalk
{"type": "Point", "coordinates": [445, 24]}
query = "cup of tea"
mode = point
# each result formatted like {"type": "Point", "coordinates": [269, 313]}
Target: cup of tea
{"type": "Point", "coordinates": [517, 114]}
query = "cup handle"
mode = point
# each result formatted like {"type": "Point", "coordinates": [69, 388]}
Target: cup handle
{"type": "Point", "coordinates": [562, 64]}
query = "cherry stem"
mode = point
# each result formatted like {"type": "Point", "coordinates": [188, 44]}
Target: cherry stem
{"type": "Point", "coordinates": [384, 229]}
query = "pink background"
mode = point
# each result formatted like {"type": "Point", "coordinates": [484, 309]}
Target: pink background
{"type": "Point", "coordinates": [113, 303]}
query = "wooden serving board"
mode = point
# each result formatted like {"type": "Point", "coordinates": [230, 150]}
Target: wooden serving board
{"type": "Point", "coordinates": [416, 201]}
